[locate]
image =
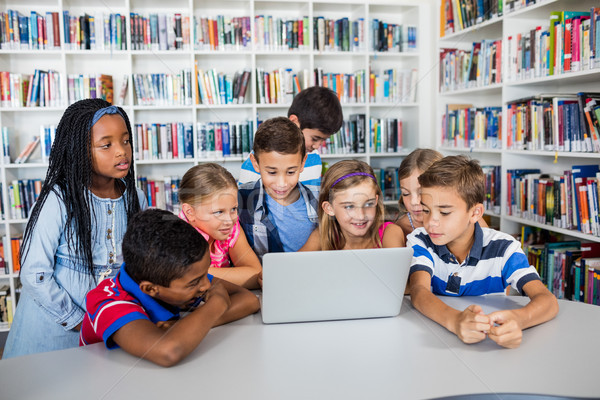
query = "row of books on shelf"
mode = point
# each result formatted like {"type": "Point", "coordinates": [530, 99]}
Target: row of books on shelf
{"type": "Point", "coordinates": [160, 32]}
{"type": "Point", "coordinates": [279, 86]}
{"type": "Point", "coordinates": [555, 122]}
{"type": "Point", "coordinates": [570, 269]}
{"type": "Point", "coordinates": [29, 32]}
{"type": "Point", "coordinates": [225, 139]}
{"type": "Point", "coordinates": [388, 182]}
{"type": "Point", "coordinates": [350, 139]}
{"type": "Point", "coordinates": [397, 38]}
{"type": "Point", "coordinates": [103, 31]}
{"type": "Point", "coordinates": [215, 88]}
{"type": "Point", "coordinates": [161, 193]}
{"type": "Point", "coordinates": [465, 126]}
{"type": "Point", "coordinates": [394, 86]}
{"type": "Point", "coordinates": [14, 243]}
{"type": "Point", "coordinates": [40, 89]}
{"type": "Point", "coordinates": [568, 201]}
{"type": "Point", "coordinates": [90, 86]}
{"type": "Point", "coordinates": [44, 141]}
{"type": "Point", "coordinates": [163, 89]}
{"type": "Point", "coordinates": [570, 43]}
{"type": "Point", "coordinates": [338, 34]}
{"type": "Point", "coordinates": [385, 135]}
{"type": "Point", "coordinates": [493, 186]}
{"type": "Point", "coordinates": [457, 15]}
{"type": "Point", "coordinates": [164, 141]}
{"type": "Point", "coordinates": [465, 69]}
{"type": "Point", "coordinates": [222, 33]}
{"type": "Point", "coordinates": [22, 194]}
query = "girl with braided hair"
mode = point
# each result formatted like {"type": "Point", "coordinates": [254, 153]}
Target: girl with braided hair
{"type": "Point", "coordinates": [73, 237]}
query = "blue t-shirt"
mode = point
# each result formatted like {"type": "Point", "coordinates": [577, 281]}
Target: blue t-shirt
{"type": "Point", "coordinates": [292, 223]}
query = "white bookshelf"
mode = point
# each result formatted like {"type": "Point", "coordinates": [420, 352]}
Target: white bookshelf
{"type": "Point", "coordinates": [499, 94]}
{"type": "Point", "coordinates": [23, 123]}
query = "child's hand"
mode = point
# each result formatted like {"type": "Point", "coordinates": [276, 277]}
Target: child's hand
{"type": "Point", "coordinates": [166, 325]}
{"type": "Point", "coordinates": [472, 324]}
{"type": "Point", "coordinates": [260, 279]}
{"type": "Point", "coordinates": [216, 293]}
{"type": "Point", "coordinates": [505, 330]}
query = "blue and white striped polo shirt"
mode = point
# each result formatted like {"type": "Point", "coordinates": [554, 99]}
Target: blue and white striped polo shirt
{"type": "Point", "coordinates": [495, 261]}
{"type": "Point", "coordinates": [310, 176]}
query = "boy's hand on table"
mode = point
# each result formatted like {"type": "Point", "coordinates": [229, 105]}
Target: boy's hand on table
{"type": "Point", "coordinates": [505, 329]}
{"type": "Point", "coordinates": [218, 292]}
{"type": "Point", "coordinates": [472, 324]}
{"type": "Point", "coordinates": [166, 325]}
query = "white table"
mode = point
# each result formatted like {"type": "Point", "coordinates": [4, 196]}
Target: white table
{"type": "Point", "coordinates": [406, 357]}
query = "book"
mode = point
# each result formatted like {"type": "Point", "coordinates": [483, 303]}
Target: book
{"type": "Point", "coordinates": [28, 150]}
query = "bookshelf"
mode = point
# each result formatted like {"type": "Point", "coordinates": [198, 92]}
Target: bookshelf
{"type": "Point", "coordinates": [24, 122]}
{"type": "Point", "coordinates": [552, 162]}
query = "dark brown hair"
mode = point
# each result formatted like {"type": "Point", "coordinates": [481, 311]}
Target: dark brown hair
{"type": "Point", "coordinates": [460, 173]}
{"type": "Point", "coordinates": [280, 135]}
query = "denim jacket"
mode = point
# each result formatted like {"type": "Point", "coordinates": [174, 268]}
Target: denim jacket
{"type": "Point", "coordinates": [42, 274]}
{"type": "Point", "coordinates": [257, 222]}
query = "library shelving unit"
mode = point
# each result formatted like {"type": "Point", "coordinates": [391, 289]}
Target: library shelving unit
{"type": "Point", "coordinates": [24, 122]}
{"type": "Point", "coordinates": [498, 95]}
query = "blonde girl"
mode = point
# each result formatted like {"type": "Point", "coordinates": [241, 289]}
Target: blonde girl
{"type": "Point", "coordinates": [410, 169]}
{"type": "Point", "coordinates": [351, 213]}
{"type": "Point", "coordinates": [209, 202]}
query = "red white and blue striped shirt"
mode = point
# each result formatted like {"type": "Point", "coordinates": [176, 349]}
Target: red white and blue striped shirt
{"type": "Point", "coordinates": [495, 261]}
{"type": "Point", "coordinates": [116, 302]}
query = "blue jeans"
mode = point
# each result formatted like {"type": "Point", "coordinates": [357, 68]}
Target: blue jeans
{"type": "Point", "coordinates": [34, 330]}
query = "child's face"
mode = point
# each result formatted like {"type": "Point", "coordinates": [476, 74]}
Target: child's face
{"type": "Point", "coordinates": [111, 149]}
{"type": "Point", "coordinates": [215, 215]}
{"type": "Point", "coordinates": [446, 217]}
{"type": "Point", "coordinates": [411, 196]}
{"type": "Point", "coordinates": [313, 139]}
{"type": "Point", "coordinates": [280, 174]}
{"type": "Point", "coordinates": [185, 291]}
{"type": "Point", "coordinates": [354, 209]}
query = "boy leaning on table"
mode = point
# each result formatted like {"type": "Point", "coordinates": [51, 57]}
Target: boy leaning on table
{"type": "Point", "coordinates": [454, 256]}
{"type": "Point", "coordinates": [165, 271]}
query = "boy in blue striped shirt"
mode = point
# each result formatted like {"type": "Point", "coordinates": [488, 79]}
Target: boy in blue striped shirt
{"type": "Point", "coordinates": [454, 256]}
{"type": "Point", "coordinates": [318, 113]}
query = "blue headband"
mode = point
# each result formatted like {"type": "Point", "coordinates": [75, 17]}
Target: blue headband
{"type": "Point", "coordinates": [106, 110]}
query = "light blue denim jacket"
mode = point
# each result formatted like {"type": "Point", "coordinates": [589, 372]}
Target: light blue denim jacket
{"type": "Point", "coordinates": [49, 245]}
{"type": "Point", "coordinates": [55, 281]}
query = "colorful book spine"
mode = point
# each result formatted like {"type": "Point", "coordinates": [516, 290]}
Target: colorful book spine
{"type": "Point", "coordinates": [224, 139]}
{"type": "Point", "coordinates": [163, 89]}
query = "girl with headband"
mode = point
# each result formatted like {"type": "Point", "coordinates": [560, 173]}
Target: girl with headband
{"type": "Point", "coordinates": [73, 237]}
{"type": "Point", "coordinates": [351, 213]}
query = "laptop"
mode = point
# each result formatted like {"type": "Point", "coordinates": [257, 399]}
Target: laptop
{"type": "Point", "coordinates": [333, 285]}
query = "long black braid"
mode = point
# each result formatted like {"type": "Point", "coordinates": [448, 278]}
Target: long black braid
{"type": "Point", "coordinates": [70, 170]}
